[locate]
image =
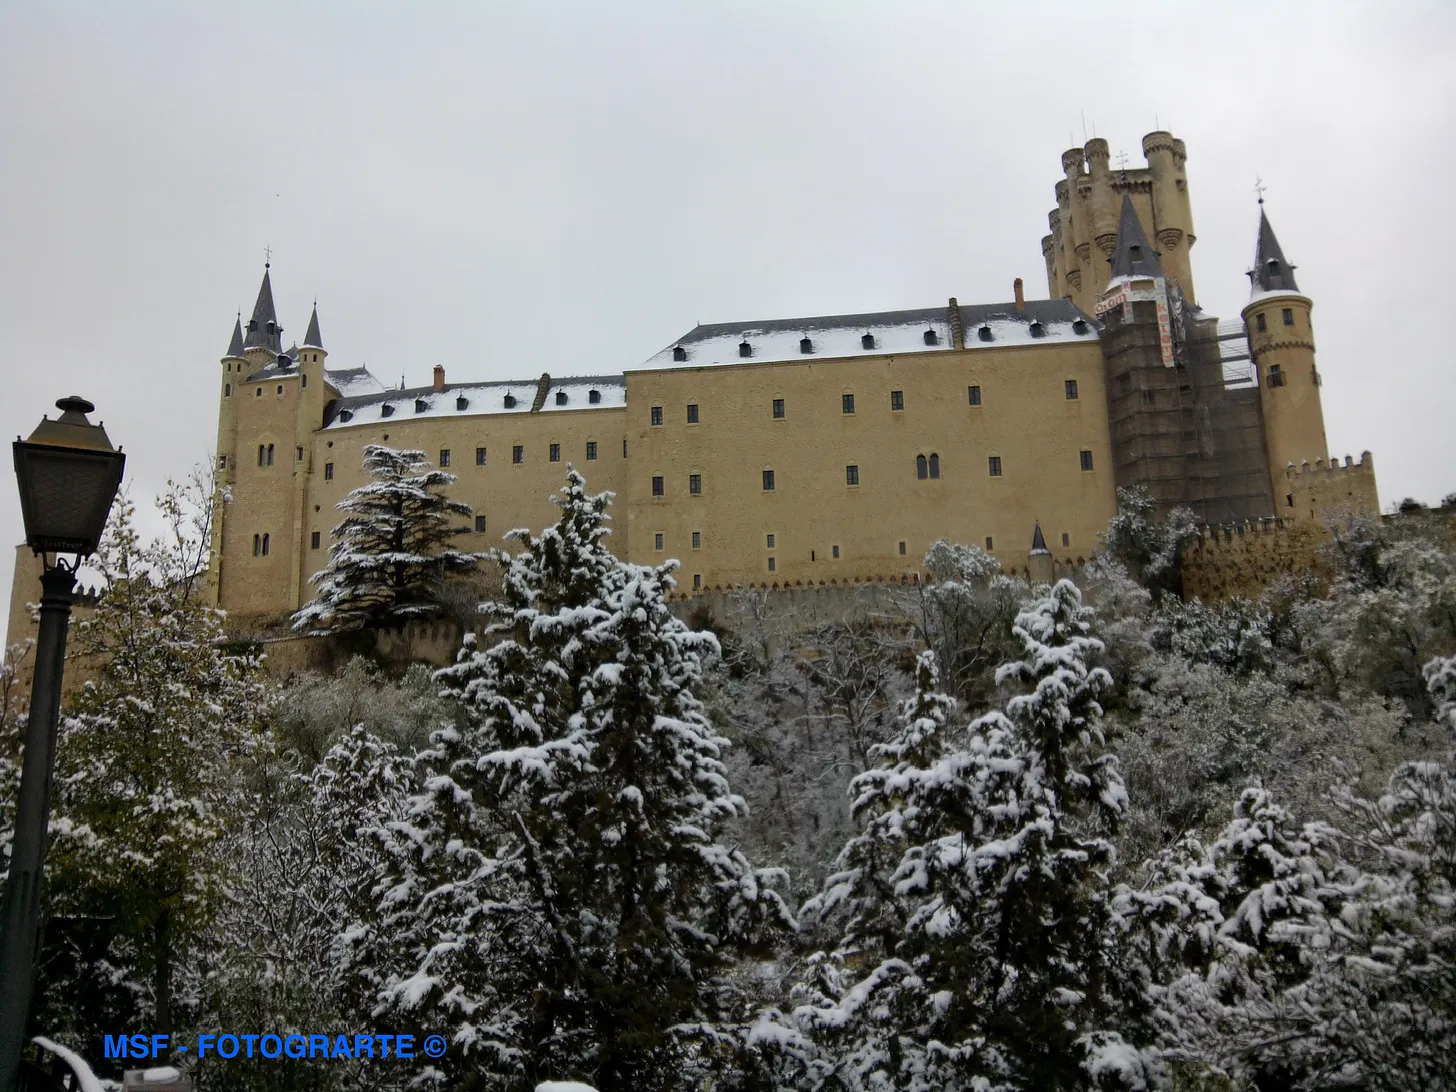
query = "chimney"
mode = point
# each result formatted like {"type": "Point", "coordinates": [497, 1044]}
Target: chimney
{"type": "Point", "coordinates": [440, 374]}
{"type": "Point", "coordinates": [1020, 296]}
{"type": "Point", "coordinates": [957, 335]}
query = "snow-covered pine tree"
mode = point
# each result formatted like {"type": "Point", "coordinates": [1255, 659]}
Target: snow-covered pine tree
{"type": "Point", "coordinates": [391, 554]}
{"type": "Point", "coordinates": [1003, 975]}
{"type": "Point", "coordinates": [574, 907]}
{"type": "Point", "coordinates": [147, 766]}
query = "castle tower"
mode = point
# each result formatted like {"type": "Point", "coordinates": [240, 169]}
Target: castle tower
{"type": "Point", "coordinates": [230, 389]}
{"type": "Point", "coordinates": [312, 398]}
{"type": "Point", "coordinates": [1040, 567]}
{"type": "Point", "coordinates": [1281, 343]}
{"type": "Point", "coordinates": [263, 339]}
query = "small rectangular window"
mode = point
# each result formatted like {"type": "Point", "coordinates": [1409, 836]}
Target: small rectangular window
{"type": "Point", "coordinates": [657, 541]}
{"type": "Point", "coordinates": [1289, 316]}
{"type": "Point", "coordinates": [778, 409]}
{"type": "Point", "coordinates": [658, 489]}
{"type": "Point", "coordinates": [995, 462]}
{"type": "Point", "coordinates": [444, 456]}
{"type": "Point", "coordinates": [1289, 499]}
{"type": "Point", "coordinates": [328, 472]}
{"type": "Point", "coordinates": [768, 480]}
{"type": "Point", "coordinates": [262, 454]}
{"type": "Point", "coordinates": [480, 525]}
{"type": "Point", "coordinates": [1086, 460]}
{"type": "Point", "coordinates": [897, 400]}
{"type": "Point", "coordinates": [697, 540]}
{"type": "Point", "coordinates": [692, 413]}
{"type": "Point", "coordinates": [769, 541]}
{"type": "Point", "coordinates": [1260, 324]}
{"type": "Point", "coordinates": [591, 451]}
{"type": "Point", "coordinates": [847, 402]}
{"type": "Point", "coordinates": [313, 541]}
{"type": "Point", "coordinates": [851, 475]}
{"type": "Point", "coordinates": [695, 485]}
{"type": "Point", "coordinates": [988, 543]}
{"type": "Point", "coordinates": [1071, 386]}
{"type": "Point", "coordinates": [1066, 539]}
{"type": "Point", "coordinates": [771, 565]}
{"type": "Point", "coordinates": [836, 550]}
{"type": "Point", "coordinates": [697, 581]}
{"type": "Point", "coordinates": [902, 549]}
{"type": "Point", "coordinates": [624, 447]}
{"type": "Point", "coordinates": [657, 415]}
{"type": "Point", "coordinates": [554, 453]}
{"type": "Point", "coordinates": [480, 456]}
{"type": "Point", "coordinates": [222, 462]}
{"type": "Point", "coordinates": [1276, 376]}
{"type": "Point", "coordinates": [518, 454]}
{"type": "Point", "coordinates": [299, 452]}
{"type": "Point", "coordinates": [973, 392]}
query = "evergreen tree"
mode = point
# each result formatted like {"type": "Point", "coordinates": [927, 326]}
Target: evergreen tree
{"type": "Point", "coordinates": [573, 909]}
{"type": "Point", "coordinates": [1148, 549]}
{"type": "Point", "coordinates": [1002, 975]}
{"type": "Point", "coordinates": [392, 554]}
{"type": "Point", "coordinates": [147, 766]}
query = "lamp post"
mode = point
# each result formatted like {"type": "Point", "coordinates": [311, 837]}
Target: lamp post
{"type": "Point", "coordinates": [68, 473]}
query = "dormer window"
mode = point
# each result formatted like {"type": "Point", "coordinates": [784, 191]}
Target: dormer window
{"type": "Point", "coordinates": [1037, 329]}
{"type": "Point", "coordinates": [461, 402]}
{"type": "Point", "coordinates": [1135, 253]}
{"type": "Point", "coordinates": [984, 333]}
{"type": "Point", "coordinates": [386, 410]}
{"type": "Point", "coordinates": [806, 346]}
{"type": "Point", "coordinates": [679, 354]}
{"type": "Point", "coordinates": [272, 327]}
{"type": "Point", "coordinates": [932, 338]}
{"type": "Point", "coordinates": [868, 341]}
{"type": "Point", "coordinates": [593, 396]}
{"type": "Point", "coordinates": [421, 405]}
{"type": "Point", "coordinates": [1079, 326]}
{"type": "Point", "coordinates": [509, 401]}
{"type": "Point", "coordinates": [1274, 267]}
{"type": "Point", "coordinates": [745, 349]}
{"type": "Point", "coordinates": [252, 326]}
{"type": "Point", "coordinates": [346, 415]}
{"type": "Point", "coordinates": [561, 398]}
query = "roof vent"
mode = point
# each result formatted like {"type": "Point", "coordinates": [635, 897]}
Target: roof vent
{"type": "Point", "coordinates": [386, 410]}
{"type": "Point", "coordinates": [593, 396]}
{"type": "Point", "coordinates": [806, 346]}
{"type": "Point", "coordinates": [561, 398]}
{"type": "Point", "coordinates": [868, 341]}
{"type": "Point", "coordinates": [931, 337]}
{"type": "Point", "coordinates": [510, 401]}
{"type": "Point", "coordinates": [461, 402]}
{"type": "Point", "coordinates": [1037, 329]}
{"type": "Point", "coordinates": [679, 354]}
{"type": "Point", "coordinates": [346, 415]}
{"type": "Point", "coordinates": [745, 349]}
{"type": "Point", "coordinates": [1079, 326]}
{"type": "Point", "coordinates": [984, 333]}
{"type": "Point", "coordinates": [421, 405]}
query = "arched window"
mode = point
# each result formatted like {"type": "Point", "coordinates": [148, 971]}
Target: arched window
{"type": "Point", "coordinates": [262, 455]}
{"type": "Point", "coordinates": [257, 545]}
{"type": "Point", "coordinates": [935, 466]}
{"type": "Point", "coordinates": [270, 454]}
{"type": "Point", "coordinates": [265, 545]}
{"type": "Point", "coordinates": [227, 389]}
{"type": "Point", "coordinates": [921, 467]}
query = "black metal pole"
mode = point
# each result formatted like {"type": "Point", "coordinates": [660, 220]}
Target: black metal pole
{"type": "Point", "coordinates": [20, 909]}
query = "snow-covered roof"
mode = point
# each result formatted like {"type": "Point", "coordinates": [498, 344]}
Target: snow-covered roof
{"type": "Point", "coordinates": [890, 333]}
{"type": "Point", "coordinates": [352, 382]}
{"type": "Point", "coordinates": [478, 399]}
{"type": "Point", "coordinates": [285, 363]}
{"type": "Point", "coordinates": [1259, 295]}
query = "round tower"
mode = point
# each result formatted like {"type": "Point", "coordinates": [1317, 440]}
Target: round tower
{"type": "Point", "coordinates": [1076, 220]}
{"type": "Point", "coordinates": [1169, 206]}
{"type": "Point", "coordinates": [1104, 208]}
{"type": "Point", "coordinates": [1281, 343]}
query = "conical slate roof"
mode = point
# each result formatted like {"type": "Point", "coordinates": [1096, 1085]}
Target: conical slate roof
{"type": "Point", "coordinates": [235, 346]}
{"type": "Point", "coordinates": [1038, 541]}
{"type": "Point", "coordinates": [313, 339]}
{"type": "Point", "coordinates": [259, 335]}
{"type": "Point", "coordinates": [1133, 256]}
{"type": "Point", "coordinates": [1271, 272]}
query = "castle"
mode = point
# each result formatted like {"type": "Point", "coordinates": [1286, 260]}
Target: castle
{"type": "Point", "coordinates": [835, 449]}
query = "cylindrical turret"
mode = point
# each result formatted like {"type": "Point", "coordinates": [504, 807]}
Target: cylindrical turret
{"type": "Point", "coordinates": [1067, 247]}
{"type": "Point", "coordinates": [1076, 225]}
{"type": "Point", "coordinates": [1281, 342]}
{"type": "Point", "coordinates": [1048, 253]}
{"type": "Point", "coordinates": [1169, 226]}
{"type": "Point", "coordinates": [1104, 210]}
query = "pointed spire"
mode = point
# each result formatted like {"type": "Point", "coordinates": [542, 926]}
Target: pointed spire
{"type": "Point", "coordinates": [1133, 256]}
{"type": "Point", "coordinates": [235, 346]}
{"type": "Point", "coordinates": [1038, 541]}
{"type": "Point", "coordinates": [1271, 272]}
{"type": "Point", "coordinates": [313, 339]}
{"type": "Point", "coordinates": [263, 329]}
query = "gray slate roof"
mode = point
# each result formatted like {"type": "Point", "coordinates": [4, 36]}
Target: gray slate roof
{"type": "Point", "coordinates": [235, 346]}
{"type": "Point", "coordinates": [1038, 541]}
{"type": "Point", "coordinates": [313, 339]}
{"type": "Point", "coordinates": [258, 335]}
{"type": "Point", "coordinates": [1133, 256]}
{"type": "Point", "coordinates": [1271, 272]}
{"type": "Point", "coordinates": [354, 403]}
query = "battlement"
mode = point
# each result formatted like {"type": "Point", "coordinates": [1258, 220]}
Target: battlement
{"type": "Point", "coordinates": [1243, 559]}
{"type": "Point", "coordinates": [1331, 490]}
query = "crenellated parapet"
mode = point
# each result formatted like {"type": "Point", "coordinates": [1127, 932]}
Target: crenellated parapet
{"type": "Point", "coordinates": [1330, 490]}
{"type": "Point", "coordinates": [1244, 559]}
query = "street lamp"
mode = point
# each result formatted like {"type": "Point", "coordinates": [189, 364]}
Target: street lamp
{"type": "Point", "coordinates": [69, 474]}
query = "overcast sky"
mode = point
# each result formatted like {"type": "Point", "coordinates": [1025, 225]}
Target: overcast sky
{"type": "Point", "coordinates": [507, 189]}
